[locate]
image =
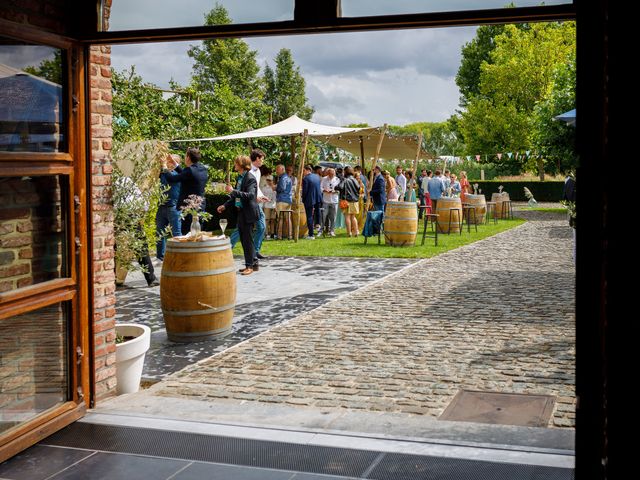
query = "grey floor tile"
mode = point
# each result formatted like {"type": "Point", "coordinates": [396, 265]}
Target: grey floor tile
{"type": "Point", "coordinates": [316, 476]}
{"type": "Point", "coordinates": [40, 462]}
{"type": "Point", "coordinates": [109, 466]}
{"type": "Point", "coordinates": [213, 471]}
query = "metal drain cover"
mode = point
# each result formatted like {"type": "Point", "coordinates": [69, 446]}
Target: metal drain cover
{"type": "Point", "coordinates": [500, 408]}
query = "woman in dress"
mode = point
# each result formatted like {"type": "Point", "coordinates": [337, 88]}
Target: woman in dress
{"type": "Point", "coordinates": [465, 186]}
{"type": "Point", "coordinates": [410, 194]}
{"type": "Point", "coordinates": [392, 191]}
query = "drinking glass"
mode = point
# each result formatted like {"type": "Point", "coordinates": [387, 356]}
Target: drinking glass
{"type": "Point", "coordinates": [223, 225]}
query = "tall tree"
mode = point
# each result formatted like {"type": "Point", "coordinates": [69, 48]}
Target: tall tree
{"type": "Point", "coordinates": [285, 88]}
{"type": "Point", "coordinates": [227, 61]}
{"type": "Point", "coordinates": [501, 118]}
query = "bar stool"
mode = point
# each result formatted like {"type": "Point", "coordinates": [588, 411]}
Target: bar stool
{"type": "Point", "coordinates": [507, 210]}
{"type": "Point", "coordinates": [458, 220]}
{"type": "Point", "coordinates": [433, 217]}
{"type": "Point", "coordinates": [491, 212]}
{"type": "Point", "coordinates": [284, 216]}
{"type": "Point", "coordinates": [467, 210]}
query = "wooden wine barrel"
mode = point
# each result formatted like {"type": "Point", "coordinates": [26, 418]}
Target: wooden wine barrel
{"type": "Point", "coordinates": [443, 209]}
{"type": "Point", "coordinates": [198, 289]}
{"type": "Point", "coordinates": [299, 218]}
{"type": "Point", "coordinates": [498, 198]}
{"type": "Point", "coordinates": [480, 206]}
{"type": "Point", "coordinates": [400, 224]}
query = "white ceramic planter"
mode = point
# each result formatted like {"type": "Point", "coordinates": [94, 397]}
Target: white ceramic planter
{"type": "Point", "coordinates": [130, 356]}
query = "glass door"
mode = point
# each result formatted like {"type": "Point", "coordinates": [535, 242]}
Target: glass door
{"type": "Point", "coordinates": [43, 272]}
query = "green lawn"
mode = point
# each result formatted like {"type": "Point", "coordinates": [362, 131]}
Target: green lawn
{"type": "Point", "coordinates": [342, 246]}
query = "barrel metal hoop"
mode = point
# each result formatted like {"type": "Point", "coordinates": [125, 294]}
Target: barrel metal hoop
{"type": "Point", "coordinates": [204, 273]}
{"type": "Point", "coordinates": [190, 313]}
{"type": "Point", "coordinates": [197, 250]}
{"type": "Point", "coordinates": [200, 334]}
{"type": "Point", "coordinates": [400, 218]}
{"type": "Point", "coordinates": [399, 233]}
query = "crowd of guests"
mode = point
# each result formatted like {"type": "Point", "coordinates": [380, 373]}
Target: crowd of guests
{"type": "Point", "coordinates": [260, 195]}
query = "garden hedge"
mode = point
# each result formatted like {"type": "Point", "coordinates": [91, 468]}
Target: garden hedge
{"type": "Point", "coordinates": [542, 191]}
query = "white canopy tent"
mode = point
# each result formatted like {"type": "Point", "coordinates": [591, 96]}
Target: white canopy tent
{"type": "Point", "coordinates": [348, 139]}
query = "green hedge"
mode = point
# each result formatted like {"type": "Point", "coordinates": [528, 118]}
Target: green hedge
{"type": "Point", "coordinates": [542, 191]}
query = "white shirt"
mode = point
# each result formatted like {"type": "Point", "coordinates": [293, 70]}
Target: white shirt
{"type": "Point", "coordinates": [329, 184]}
{"type": "Point", "coordinates": [270, 193]}
{"type": "Point", "coordinates": [256, 173]}
{"type": "Point", "coordinates": [401, 182]}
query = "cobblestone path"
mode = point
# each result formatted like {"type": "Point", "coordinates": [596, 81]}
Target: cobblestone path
{"type": "Point", "coordinates": [497, 315]}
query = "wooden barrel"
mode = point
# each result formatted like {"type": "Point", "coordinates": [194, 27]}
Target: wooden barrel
{"type": "Point", "coordinates": [443, 209]}
{"type": "Point", "coordinates": [400, 224]}
{"type": "Point", "coordinates": [299, 218]}
{"type": "Point", "coordinates": [480, 206]}
{"type": "Point", "coordinates": [498, 198]}
{"type": "Point", "coordinates": [198, 289]}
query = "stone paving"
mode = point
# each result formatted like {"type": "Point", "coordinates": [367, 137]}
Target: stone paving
{"type": "Point", "coordinates": [496, 315]}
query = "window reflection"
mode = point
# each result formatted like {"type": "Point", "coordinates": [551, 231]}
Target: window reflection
{"type": "Point", "coordinates": [33, 359]}
{"type": "Point", "coordinates": [32, 230]}
{"type": "Point", "coordinates": [31, 98]}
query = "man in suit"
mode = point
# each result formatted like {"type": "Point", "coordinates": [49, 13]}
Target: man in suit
{"type": "Point", "coordinates": [244, 199]}
{"type": "Point", "coordinates": [378, 190]}
{"type": "Point", "coordinates": [311, 197]}
{"type": "Point", "coordinates": [192, 179]}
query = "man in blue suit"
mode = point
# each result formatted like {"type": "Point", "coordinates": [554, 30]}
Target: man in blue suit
{"type": "Point", "coordinates": [311, 197]}
{"type": "Point", "coordinates": [192, 180]}
{"type": "Point", "coordinates": [378, 190]}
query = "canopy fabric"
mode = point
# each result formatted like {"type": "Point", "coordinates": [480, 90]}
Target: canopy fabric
{"type": "Point", "coordinates": [568, 117]}
{"type": "Point", "coordinates": [393, 146]}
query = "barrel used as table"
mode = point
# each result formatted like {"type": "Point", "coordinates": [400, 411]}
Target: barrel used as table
{"type": "Point", "coordinates": [198, 289]}
{"type": "Point", "coordinates": [449, 221]}
{"type": "Point", "coordinates": [498, 198]}
{"type": "Point", "coordinates": [299, 218]}
{"type": "Point", "coordinates": [479, 204]}
{"type": "Point", "coordinates": [400, 224]}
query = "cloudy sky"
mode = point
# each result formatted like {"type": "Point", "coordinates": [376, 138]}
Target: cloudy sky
{"type": "Point", "coordinates": [395, 77]}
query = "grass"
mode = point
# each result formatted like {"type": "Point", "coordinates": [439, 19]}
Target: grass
{"type": "Point", "coordinates": [542, 209]}
{"type": "Point", "coordinates": [343, 246]}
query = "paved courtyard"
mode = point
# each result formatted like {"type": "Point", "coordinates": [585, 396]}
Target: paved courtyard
{"type": "Point", "coordinates": [497, 315]}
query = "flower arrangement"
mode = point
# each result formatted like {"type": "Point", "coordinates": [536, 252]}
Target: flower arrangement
{"type": "Point", "coordinates": [192, 205]}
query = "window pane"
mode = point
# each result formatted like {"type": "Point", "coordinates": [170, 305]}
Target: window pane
{"type": "Point", "coordinates": [33, 245]}
{"type": "Point", "coordinates": [364, 8]}
{"type": "Point", "coordinates": [31, 98]}
{"type": "Point", "coordinates": [145, 14]}
{"type": "Point", "coordinates": [33, 364]}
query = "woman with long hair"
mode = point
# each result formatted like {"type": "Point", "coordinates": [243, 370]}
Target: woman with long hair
{"type": "Point", "coordinates": [392, 191]}
{"type": "Point", "coordinates": [465, 186]}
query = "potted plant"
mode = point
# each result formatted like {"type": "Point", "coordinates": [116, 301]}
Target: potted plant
{"type": "Point", "coordinates": [132, 342]}
{"type": "Point", "coordinates": [136, 192]}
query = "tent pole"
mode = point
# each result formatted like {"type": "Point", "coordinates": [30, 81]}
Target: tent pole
{"type": "Point", "coordinates": [375, 162]}
{"type": "Point", "coordinates": [415, 162]}
{"type": "Point", "coordinates": [293, 151]}
{"type": "Point", "coordinates": [362, 154]}
{"type": "Point", "coordinates": [305, 137]}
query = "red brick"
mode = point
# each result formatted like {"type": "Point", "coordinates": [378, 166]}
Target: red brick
{"type": "Point", "coordinates": [101, 132]}
{"type": "Point", "coordinates": [106, 71]}
{"type": "Point", "coordinates": [110, 312]}
{"type": "Point", "coordinates": [26, 253]}
{"type": "Point", "coordinates": [103, 108]}
{"type": "Point", "coordinates": [107, 169]}
{"type": "Point", "coordinates": [106, 180]}
{"type": "Point", "coordinates": [107, 120]}
{"type": "Point", "coordinates": [105, 373]}
{"type": "Point", "coordinates": [95, 94]}
{"type": "Point", "coordinates": [14, 270]}
{"type": "Point", "coordinates": [13, 213]}
{"type": "Point", "coordinates": [23, 227]}
{"type": "Point", "coordinates": [12, 242]}
{"type": "Point", "coordinates": [25, 282]}
{"type": "Point", "coordinates": [7, 228]}
{"type": "Point", "coordinates": [106, 96]}
{"type": "Point", "coordinates": [106, 144]}
{"type": "Point", "coordinates": [6, 286]}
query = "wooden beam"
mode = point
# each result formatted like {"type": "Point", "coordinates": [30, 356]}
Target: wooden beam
{"type": "Point", "coordinates": [415, 162]}
{"type": "Point", "coordinates": [27, 33]}
{"type": "Point", "coordinates": [373, 166]}
{"type": "Point", "coordinates": [296, 214]}
{"type": "Point", "coordinates": [362, 153]}
{"type": "Point", "coordinates": [345, 24]}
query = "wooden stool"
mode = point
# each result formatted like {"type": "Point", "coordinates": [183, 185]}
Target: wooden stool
{"type": "Point", "coordinates": [491, 212]}
{"type": "Point", "coordinates": [467, 210]}
{"type": "Point", "coordinates": [507, 210]}
{"type": "Point", "coordinates": [458, 220]}
{"type": "Point", "coordinates": [284, 216]}
{"type": "Point", "coordinates": [434, 227]}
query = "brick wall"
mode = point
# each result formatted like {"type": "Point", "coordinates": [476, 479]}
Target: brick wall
{"type": "Point", "coordinates": [49, 15]}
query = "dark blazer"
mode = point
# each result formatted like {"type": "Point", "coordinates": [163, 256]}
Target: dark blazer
{"type": "Point", "coordinates": [378, 190]}
{"type": "Point", "coordinates": [311, 191]}
{"type": "Point", "coordinates": [248, 193]}
{"type": "Point", "coordinates": [192, 181]}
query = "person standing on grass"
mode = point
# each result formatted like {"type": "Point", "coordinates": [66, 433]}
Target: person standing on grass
{"type": "Point", "coordinates": [401, 182]}
{"type": "Point", "coordinates": [311, 198]}
{"type": "Point", "coordinates": [244, 199]}
{"type": "Point", "coordinates": [192, 180]}
{"type": "Point", "coordinates": [455, 185]}
{"type": "Point", "coordinates": [330, 200]}
{"type": "Point", "coordinates": [378, 190]}
{"type": "Point", "coordinates": [270, 207]}
{"type": "Point", "coordinates": [423, 175]}
{"type": "Point", "coordinates": [284, 198]}
{"type": "Point", "coordinates": [436, 189]}
{"type": "Point", "coordinates": [351, 192]}
{"type": "Point", "coordinates": [465, 186]}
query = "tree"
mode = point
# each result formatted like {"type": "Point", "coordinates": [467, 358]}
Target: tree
{"type": "Point", "coordinates": [520, 75]}
{"type": "Point", "coordinates": [51, 69]}
{"type": "Point", "coordinates": [285, 89]}
{"type": "Point", "coordinates": [226, 61]}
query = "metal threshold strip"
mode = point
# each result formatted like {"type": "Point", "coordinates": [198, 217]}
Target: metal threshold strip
{"type": "Point", "coordinates": [328, 454]}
